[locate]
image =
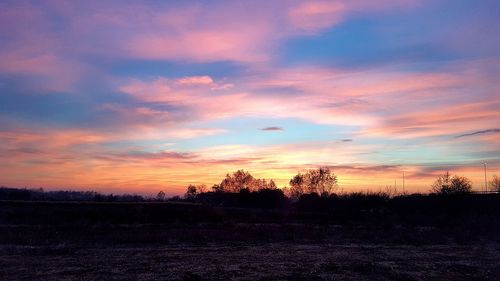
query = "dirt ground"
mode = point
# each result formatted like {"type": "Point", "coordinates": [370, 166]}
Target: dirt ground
{"type": "Point", "coordinates": [274, 261]}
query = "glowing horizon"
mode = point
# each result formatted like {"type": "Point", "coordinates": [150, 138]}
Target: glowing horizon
{"type": "Point", "coordinates": [138, 97]}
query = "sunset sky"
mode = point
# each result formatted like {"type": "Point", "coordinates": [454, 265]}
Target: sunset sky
{"type": "Point", "coordinates": [142, 96]}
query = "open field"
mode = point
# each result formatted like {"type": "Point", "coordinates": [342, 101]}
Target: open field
{"type": "Point", "coordinates": [265, 261]}
{"type": "Point", "coordinates": [171, 241]}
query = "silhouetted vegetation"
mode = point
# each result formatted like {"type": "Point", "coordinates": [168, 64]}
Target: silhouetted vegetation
{"type": "Point", "coordinates": [495, 183]}
{"type": "Point", "coordinates": [446, 184]}
{"type": "Point", "coordinates": [240, 180]}
{"type": "Point", "coordinates": [7, 193]}
{"type": "Point", "coordinates": [191, 192]}
{"type": "Point", "coordinates": [312, 191]}
{"type": "Point", "coordinates": [321, 181]}
{"type": "Point", "coordinates": [359, 217]}
{"type": "Point", "coordinates": [263, 198]}
{"type": "Point", "coordinates": [160, 196]}
{"type": "Point", "coordinates": [310, 200]}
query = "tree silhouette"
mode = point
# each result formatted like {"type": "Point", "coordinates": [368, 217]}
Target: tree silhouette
{"type": "Point", "coordinates": [442, 182]}
{"type": "Point", "coordinates": [446, 184]}
{"type": "Point", "coordinates": [495, 183]}
{"type": "Point", "coordinates": [237, 181]}
{"type": "Point", "coordinates": [321, 181]}
{"type": "Point", "coordinates": [298, 186]}
{"type": "Point", "coordinates": [160, 196]}
{"type": "Point", "coordinates": [217, 188]}
{"type": "Point", "coordinates": [191, 192]}
{"type": "Point", "coordinates": [201, 188]}
{"type": "Point", "coordinates": [271, 185]}
{"type": "Point", "coordinates": [240, 180]}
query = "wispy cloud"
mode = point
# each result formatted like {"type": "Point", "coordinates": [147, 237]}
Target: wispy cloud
{"type": "Point", "coordinates": [196, 80]}
{"type": "Point", "coordinates": [271, 129]}
{"type": "Point", "coordinates": [478, 133]}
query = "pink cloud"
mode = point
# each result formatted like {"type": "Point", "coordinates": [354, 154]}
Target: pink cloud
{"type": "Point", "coordinates": [227, 31]}
{"type": "Point", "coordinates": [441, 120]}
{"type": "Point", "coordinates": [380, 102]}
{"type": "Point", "coordinates": [196, 80]}
{"type": "Point", "coordinates": [34, 51]}
{"type": "Point", "coordinates": [313, 16]}
{"type": "Point", "coordinates": [188, 133]}
{"type": "Point", "coordinates": [194, 32]}
{"type": "Point", "coordinates": [205, 103]}
{"type": "Point", "coordinates": [322, 96]}
{"type": "Point", "coordinates": [202, 46]}
{"type": "Point", "coordinates": [161, 89]}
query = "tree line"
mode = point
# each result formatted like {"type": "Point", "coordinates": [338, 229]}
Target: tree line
{"type": "Point", "coordinates": [40, 194]}
{"type": "Point", "coordinates": [316, 190]}
{"type": "Point", "coordinates": [320, 182]}
{"type": "Point", "coordinates": [323, 182]}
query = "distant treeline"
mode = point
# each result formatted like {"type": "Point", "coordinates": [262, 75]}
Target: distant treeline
{"type": "Point", "coordinates": [312, 190]}
{"type": "Point", "coordinates": [24, 194]}
{"type": "Point", "coordinates": [315, 189]}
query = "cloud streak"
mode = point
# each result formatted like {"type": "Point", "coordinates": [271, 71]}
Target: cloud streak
{"type": "Point", "coordinates": [478, 133]}
{"type": "Point", "coordinates": [271, 129]}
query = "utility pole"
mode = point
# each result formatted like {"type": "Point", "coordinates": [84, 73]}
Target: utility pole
{"type": "Point", "coordinates": [485, 182]}
{"type": "Point", "coordinates": [403, 182]}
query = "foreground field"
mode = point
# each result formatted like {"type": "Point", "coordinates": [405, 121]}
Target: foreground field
{"type": "Point", "coordinates": [163, 241]}
{"type": "Point", "coordinates": [274, 261]}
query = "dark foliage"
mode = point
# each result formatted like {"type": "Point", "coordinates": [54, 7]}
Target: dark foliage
{"type": "Point", "coordinates": [84, 196]}
{"type": "Point", "coordinates": [350, 203]}
{"type": "Point", "coordinates": [414, 219]}
{"type": "Point", "coordinates": [263, 198]}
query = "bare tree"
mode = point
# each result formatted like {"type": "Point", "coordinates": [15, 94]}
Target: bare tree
{"type": "Point", "coordinates": [271, 185]}
{"type": "Point", "coordinates": [298, 186]}
{"type": "Point", "coordinates": [442, 182]}
{"type": "Point", "coordinates": [191, 192]}
{"type": "Point", "coordinates": [495, 183]}
{"type": "Point", "coordinates": [160, 196]}
{"type": "Point", "coordinates": [241, 179]}
{"type": "Point", "coordinates": [445, 184]}
{"type": "Point", "coordinates": [321, 181]}
{"type": "Point", "coordinates": [237, 181]}
{"type": "Point", "coordinates": [201, 188]}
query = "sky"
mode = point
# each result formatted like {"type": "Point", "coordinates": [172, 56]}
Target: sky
{"type": "Point", "coordinates": [142, 96]}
